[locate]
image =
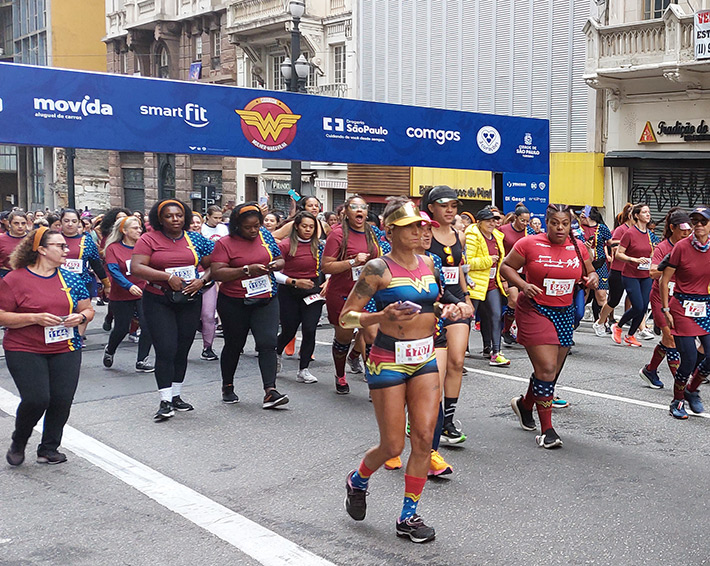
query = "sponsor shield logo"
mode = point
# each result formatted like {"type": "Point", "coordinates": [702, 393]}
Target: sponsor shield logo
{"type": "Point", "coordinates": [267, 123]}
{"type": "Point", "coordinates": [488, 139]}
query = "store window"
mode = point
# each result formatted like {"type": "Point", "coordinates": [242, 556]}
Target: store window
{"type": "Point", "coordinates": [216, 48]}
{"type": "Point", "coordinates": [278, 81]}
{"type": "Point", "coordinates": [198, 47]}
{"type": "Point", "coordinates": [163, 61]}
{"type": "Point", "coordinates": [134, 190]}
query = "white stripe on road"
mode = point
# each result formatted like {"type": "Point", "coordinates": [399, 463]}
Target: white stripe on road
{"type": "Point", "coordinates": [252, 539]}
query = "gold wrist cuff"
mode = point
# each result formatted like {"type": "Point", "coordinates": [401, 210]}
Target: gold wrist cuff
{"type": "Point", "coordinates": [351, 319]}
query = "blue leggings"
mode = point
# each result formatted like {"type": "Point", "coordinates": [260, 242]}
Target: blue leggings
{"type": "Point", "coordinates": [638, 291]}
{"type": "Point", "coordinates": [689, 354]}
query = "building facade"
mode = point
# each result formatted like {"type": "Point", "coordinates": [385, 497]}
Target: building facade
{"type": "Point", "coordinates": [656, 102]}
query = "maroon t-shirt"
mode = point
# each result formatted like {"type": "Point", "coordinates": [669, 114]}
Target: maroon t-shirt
{"type": "Point", "coordinates": [662, 249]}
{"type": "Point", "coordinates": [589, 232]}
{"type": "Point", "coordinates": [554, 268]}
{"type": "Point", "coordinates": [616, 235]}
{"type": "Point", "coordinates": [492, 250]}
{"type": "Point", "coordinates": [341, 283]}
{"type": "Point", "coordinates": [510, 236]}
{"type": "Point", "coordinates": [692, 274]}
{"type": "Point", "coordinates": [120, 254]}
{"type": "Point", "coordinates": [302, 265]}
{"type": "Point", "coordinates": [637, 244]}
{"type": "Point", "coordinates": [7, 246]}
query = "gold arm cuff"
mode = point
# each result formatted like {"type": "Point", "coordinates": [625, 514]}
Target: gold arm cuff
{"type": "Point", "coordinates": [351, 319]}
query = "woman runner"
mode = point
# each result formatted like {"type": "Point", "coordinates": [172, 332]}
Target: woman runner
{"type": "Point", "coordinates": [17, 230]}
{"type": "Point", "coordinates": [554, 263]}
{"type": "Point", "coordinates": [596, 237]}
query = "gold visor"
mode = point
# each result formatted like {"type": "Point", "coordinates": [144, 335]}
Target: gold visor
{"type": "Point", "coordinates": [406, 214]}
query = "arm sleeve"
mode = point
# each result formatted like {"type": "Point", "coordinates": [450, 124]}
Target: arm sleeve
{"type": "Point", "coordinates": [115, 272]}
{"type": "Point", "coordinates": [98, 268]}
{"type": "Point", "coordinates": [280, 277]}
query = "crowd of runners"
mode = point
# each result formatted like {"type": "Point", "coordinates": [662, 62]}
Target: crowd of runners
{"type": "Point", "coordinates": [406, 293]}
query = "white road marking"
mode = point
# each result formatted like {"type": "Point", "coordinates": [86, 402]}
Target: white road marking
{"type": "Point", "coordinates": [252, 539]}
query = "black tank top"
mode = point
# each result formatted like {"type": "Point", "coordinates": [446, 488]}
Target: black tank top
{"type": "Point", "coordinates": [451, 256]}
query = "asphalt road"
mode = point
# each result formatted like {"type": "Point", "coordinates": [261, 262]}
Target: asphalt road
{"type": "Point", "coordinates": [628, 487]}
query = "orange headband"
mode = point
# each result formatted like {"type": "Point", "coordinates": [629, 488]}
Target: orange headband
{"type": "Point", "coordinates": [38, 237]}
{"type": "Point", "coordinates": [123, 223]}
{"type": "Point", "coordinates": [166, 202]}
{"type": "Point", "coordinates": [249, 208]}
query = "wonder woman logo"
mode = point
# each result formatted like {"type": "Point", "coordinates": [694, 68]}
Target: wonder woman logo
{"type": "Point", "coordinates": [268, 123]}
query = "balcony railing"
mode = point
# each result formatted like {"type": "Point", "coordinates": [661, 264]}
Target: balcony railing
{"type": "Point", "coordinates": [115, 24]}
{"type": "Point", "coordinates": [337, 7]}
{"type": "Point", "coordinates": [245, 11]}
{"type": "Point", "coordinates": [336, 90]}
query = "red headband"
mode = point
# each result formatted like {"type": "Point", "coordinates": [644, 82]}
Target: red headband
{"type": "Point", "coordinates": [166, 202]}
{"type": "Point", "coordinates": [38, 237]}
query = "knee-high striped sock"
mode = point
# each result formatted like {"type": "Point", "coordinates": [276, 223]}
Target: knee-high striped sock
{"type": "Point", "coordinates": [360, 478]}
{"type": "Point", "coordinates": [679, 382]}
{"type": "Point", "coordinates": [673, 360]}
{"type": "Point", "coordinates": [543, 392]}
{"type": "Point", "coordinates": [413, 488]}
{"type": "Point", "coordinates": [658, 354]}
{"type": "Point", "coordinates": [701, 372]}
{"type": "Point", "coordinates": [340, 353]}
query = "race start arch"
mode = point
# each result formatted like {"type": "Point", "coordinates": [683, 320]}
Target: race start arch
{"type": "Point", "coordinates": [50, 107]}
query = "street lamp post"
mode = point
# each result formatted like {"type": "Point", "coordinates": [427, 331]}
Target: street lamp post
{"type": "Point", "coordinates": [295, 70]}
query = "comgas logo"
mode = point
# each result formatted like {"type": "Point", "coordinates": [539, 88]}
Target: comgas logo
{"type": "Point", "coordinates": [267, 123]}
{"type": "Point", "coordinates": [84, 107]}
{"type": "Point", "coordinates": [192, 114]}
{"type": "Point", "coordinates": [440, 136]}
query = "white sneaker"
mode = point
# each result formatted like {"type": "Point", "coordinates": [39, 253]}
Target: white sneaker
{"type": "Point", "coordinates": [355, 365]}
{"type": "Point", "coordinates": [279, 364]}
{"type": "Point", "coordinates": [305, 376]}
{"type": "Point", "coordinates": [599, 330]}
{"type": "Point", "coordinates": [645, 334]}
{"type": "Point", "coordinates": [588, 316]}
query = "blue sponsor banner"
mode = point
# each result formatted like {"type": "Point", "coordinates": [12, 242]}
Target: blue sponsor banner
{"type": "Point", "coordinates": [61, 108]}
{"type": "Point", "coordinates": [532, 190]}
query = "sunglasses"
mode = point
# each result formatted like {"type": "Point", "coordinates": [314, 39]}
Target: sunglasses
{"type": "Point", "coordinates": [701, 221]}
{"type": "Point", "coordinates": [449, 257]}
{"type": "Point", "coordinates": [63, 246]}
{"type": "Point", "coordinates": [355, 207]}
{"type": "Point", "coordinates": [444, 202]}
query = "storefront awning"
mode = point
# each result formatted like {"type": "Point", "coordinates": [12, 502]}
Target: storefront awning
{"type": "Point", "coordinates": [630, 158]}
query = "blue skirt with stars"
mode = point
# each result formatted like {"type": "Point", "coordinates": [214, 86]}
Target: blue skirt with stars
{"type": "Point", "coordinates": [538, 324]}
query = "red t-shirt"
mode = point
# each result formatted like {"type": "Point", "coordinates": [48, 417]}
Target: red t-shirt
{"type": "Point", "coordinates": [341, 283]}
{"type": "Point", "coordinates": [692, 275]}
{"type": "Point", "coordinates": [510, 236]}
{"type": "Point", "coordinates": [236, 251]}
{"type": "Point", "coordinates": [492, 250]}
{"type": "Point", "coordinates": [553, 268]}
{"type": "Point", "coordinates": [178, 255]}
{"type": "Point", "coordinates": [662, 249]}
{"type": "Point", "coordinates": [616, 235]}
{"type": "Point", "coordinates": [302, 265]}
{"type": "Point", "coordinates": [22, 291]}
{"type": "Point", "coordinates": [637, 244]}
{"type": "Point", "coordinates": [7, 246]}
{"type": "Point", "coordinates": [120, 254]}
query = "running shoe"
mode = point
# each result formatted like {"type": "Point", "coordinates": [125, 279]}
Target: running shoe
{"type": "Point", "coordinates": [341, 385]}
{"type": "Point", "coordinates": [180, 405]}
{"type": "Point", "coordinates": [393, 463]}
{"type": "Point", "coordinates": [134, 337]}
{"type": "Point", "coordinates": [451, 434]}
{"type": "Point", "coordinates": [279, 364]}
{"type": "Point", "coordinates": [165, 411]}
{"type": "Point", "coordinates": [355, 502]}
{"type": "Point", "coordinates": [208, 355]}
{"type": "Point", "coordinates": [228, 395]}
{"type": "Point", "coordinates": [438, 466]}
{"type": "Point", "coordinates": [508, 338]}
{"type": "Point", "coordinates": [305, 376]}
{"type": "Point", "coordinates": [274, 399]}
{"type": "Point", "coordinates": [290, 347]}
{"type": "Point", "coordinates": [650, 377]}
{"type": "Point", "coordinates": [607, 328]}
{"type": "Point", "coordinates": [631, 341]}
{"type": "Point", "coordinates": [108, 358]}
{"type": "Point", "coordinates": [107, 325]}
{"type": "Point", "coordinates": [549, 439]}
{"type": "Point", "coordinates": [525, 416]}
{"type": "Point", "coordinates": [499, 360]}
{"type": "Point", "coordinates": [51, 457]}
{"type": "Point", "coordinates": [558, 403]}
{"type": "Point", "coordinates": [144, 366]}
{"type": "Point", "coordinates": [645, 334]}
{"type": "Point", "coordinates": [694, 402]}
{"type": "Point", "coordinates": [677, 409]}
{"type": "Point", "coordinates": [616, 333]}
{"type": "Point", "coordinates": [414, 528]}
{"type": "Point", "coordinates": [599, 330]}
{"type": "Point", "coordinates": [16, 454]}
{"type": "Point", "coordinates": [355, 364]}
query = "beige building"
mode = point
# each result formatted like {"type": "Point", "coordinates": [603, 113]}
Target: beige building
{"type": "Point", "coordinates": [653, 124]}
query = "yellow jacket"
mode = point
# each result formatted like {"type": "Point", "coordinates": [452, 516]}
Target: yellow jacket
{"type": "Point", "coordinates": [480, 262]}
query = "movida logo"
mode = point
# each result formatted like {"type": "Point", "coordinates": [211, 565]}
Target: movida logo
{"type": "Point", "coordinates": [71, 109]}
{"type": "Point", "coordinates": [267, 123]}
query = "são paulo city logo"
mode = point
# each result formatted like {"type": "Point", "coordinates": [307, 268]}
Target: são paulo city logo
{"type": "Point", "coordinates": [267, 123]}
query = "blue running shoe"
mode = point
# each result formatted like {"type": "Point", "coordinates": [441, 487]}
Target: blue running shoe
{"type": "Point", "coordinates": [694, 402]}
{"type": "Point", "coordinates": [650, 377]}
{"type": "Point", "coordinates": [677, 409]}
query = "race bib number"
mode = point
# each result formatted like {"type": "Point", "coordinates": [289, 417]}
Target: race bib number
{"type": "Point", "coordinates": [310, 299]}
{"type": "Point", "coordinates": [257, 285]}
{"type": "Point", "coordinates": [645, 266]}
{"type": "Point", "coordinates": [451, 275]}
{"type": "Point", "coordinates": [356, 271]}
{"type": "Point", "coordinates": [186, 273]}
{"type": "Point", "coordinates": [414, 351]}
{"type": "Point", "coordinates": [558, 287]}
{"type": "Point", "coordinates": [128, 267]}
{"type": "Point", "coordinates": [695, 309]}
{"type": "Point", "coordinates": [492, 274]}
{"type": "Point", "coordinates": [74, 265]}
{"type": "Point", "coordinates": [54, 334]}
{"type": "Point", "coordinates": [671, 287]}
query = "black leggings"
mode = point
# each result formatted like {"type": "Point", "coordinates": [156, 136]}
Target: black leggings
{"type": "Point", "coordinates": [294, 311]}
{"type": "Point", "coordinates": [123, 312]}
{"type": "Point", "coordinates": [47, 383]}
{"type": "Point", "coordinates": [237, 320]}
{"type": "Point", "coordinates": [616, 288]}
{"type": "Point", "coordinates": [689, 353]}
{"type": "Point", "coordinates": [490, 311]}
{"type": "Point", "coordinates": [172, 328]}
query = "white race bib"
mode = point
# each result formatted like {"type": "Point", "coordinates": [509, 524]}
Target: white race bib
{"type": "Point", "coordinates": [257, 285]}
{"type": "Point", "coordinates": [558, 287]}
{"type": "Point", "coordinates": [451, 275]}
{"type": "Point", "coordinates": [414, 352]}
{"type": "Point", "coordinates": [59, 333]}
{"type": "Point", "coordinates": [356, 271]}
{"type": "Point", "coordinates": [695, 309]}
{"type": "Point", "coordinates": [645, 266]}
{"type": "Point", "coordinates": [186, 273]}
{"type": "Point", "coordinates": [492, 274]}
{"type": "Point", "coordinates": [74, 265]}
{"type": "Point", "coordinates": [671, 287]}
{"type": "Point", "coordinates": [128, 267]}
{"type": "Point", "coordinates": [310, 299]}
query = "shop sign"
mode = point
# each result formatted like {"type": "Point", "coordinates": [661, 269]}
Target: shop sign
{"type": "Point", "coordinates": [531, 190]}
{"type": "Point", "coordinates": [702, 34]}
{"type": "Point", "coordinates": [469, 185]}
{"type": "Point", "coordinates": [675, 132]}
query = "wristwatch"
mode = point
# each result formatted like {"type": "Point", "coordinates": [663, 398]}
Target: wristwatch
{"type": "Point", "coordinates": [83, 318]}
{"type": "Point", "coordinates": [352, 262]}
{"type": "Point", "coordinates": [665, 309]}
{"type": "Point", "coordinates": [293, 282]}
